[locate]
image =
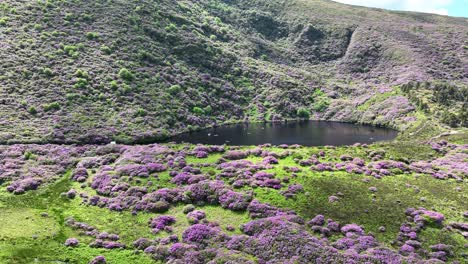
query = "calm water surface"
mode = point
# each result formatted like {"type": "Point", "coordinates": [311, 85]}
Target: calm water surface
{"type": "Point", "coordinates": [307, 133]}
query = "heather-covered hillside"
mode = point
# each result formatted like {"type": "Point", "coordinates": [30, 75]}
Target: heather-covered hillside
{"type": "Point", "coordinates": [137, 71]}
{"type": "Point", "coordinates": [387, 203]}
{"type": "Point", "coordinates": [76, 75]}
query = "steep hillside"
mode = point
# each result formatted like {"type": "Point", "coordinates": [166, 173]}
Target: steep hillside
{"type": "Point", "coordinates": [136, 71]}
{"type": "Point", "coordinates": [132, 71]}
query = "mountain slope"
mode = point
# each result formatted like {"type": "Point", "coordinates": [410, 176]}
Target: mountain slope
{"type": "Point", "coordinates": [132, 71]}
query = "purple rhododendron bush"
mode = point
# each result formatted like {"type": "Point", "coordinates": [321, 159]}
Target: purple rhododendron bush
{"type": "Point", "coordinates": [264, 204]}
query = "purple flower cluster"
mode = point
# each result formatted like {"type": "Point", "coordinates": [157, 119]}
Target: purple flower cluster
{"type": "Point", "coordinates": [451, 166]}
{"type": "Point", "coordinates": [235, 200]}
{"type": "Point", "coordinates": [201, 151]}
{"type": "Point", "coordinates": [274, 238]}
{"type": "Point", "coordinates": [201, 154]}
{"type": "Point", "coordinates": [407, 237]}
{"type": "Point", "coordinates": [84, 228]}
{"type": "Point", "coordinates": [183, 178]}
{"type": "Point", "coordinates": [442, 146]}
{"type": "Point", "coordinates": [98, 260]}
{"type": "Point", "coordinates": [27, 167]}
{"type": "Point", "coordinates": [161, 223]}
{"type": "Point", "coordinates": [427, 217]}
{"type": "Point", "coordinates": [80, 174]}
{"type": "Point", "coordinates": [292, 190]}
{"type": "Point", "coordinates": [264, 179]}
{"type": "Point", "coordinates": [441, 252]}
{"type": "Point", "coordinates": [22, 185]}
{"type": "Point", "coordinates": [333, 199]}
{"type": "Point", "coordinates": [270, 160]}
{"type": "Point", "coordinates": [196, 216]}
{"type": "Point", "coordinates": [71, 194]}
{"type": "Point", "coordinates": [141, 243]}
{"type": "Point", "coordinates": [352, 229]}
{"type": "Point", "coordinates": [326, 228]}
{"type": "Point", "coordinates": [263, 210]}
{"type": "Point", "coordinates": [99, 243]}
{"type": "Point", "coordinates": [103, 240]}
{"type": "Point", "coordinates": [209, 149]}
{"type": "Point", "coordinates": [71, 242]}
{"type": "Point", "coordinates": [236, 155]}
{"type": "Point", "coordinates": [200, 234]}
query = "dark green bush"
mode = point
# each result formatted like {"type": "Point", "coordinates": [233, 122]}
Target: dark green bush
{"type": "Point", "coordinates": [140, 112]}
{"type": "Point", "coordinates": [27, 155]}
{"type": "Point", "coordinates": [175, 89]}
{"type": "Point", "coordinates": [114, 85]}
{"type": "Point", "coordinates": [48, 72]}
{"type": "Point", "coordinates": [92, 35]}
{"type": "Point", "coordinates": [106, 50]}
{"type": "Point", "coordinates": [51, 106]}
{"type": "Point", "coordinates": [171, 27]}
{"type": "Point", "coordinates": [72, 96]}
{"type": "Point", "coordinates": [70, 49]}
{"type": "Point", "coordinates": [321, 105]}
{"type": "Point", "coordinates": [197, 110]}
{"type": "Point", "coordinates": [81, 83]}
{"type": "Point", "coordinates": [208, 109]}
{"type": "Point", "coordinates": [81, 74]}
{"type": "Point", "coordinates": [3, 21]}
{"type": "Point", "coordinates": [303, 113]}
{"type": "Point", "coordinates": [146, 56]}
{"type": "Point", "coordinates": [450, 119]}
{"type": "Point", "coordinates": [32, 110]}
{"type": "Point", "coordinates": [125, 74]}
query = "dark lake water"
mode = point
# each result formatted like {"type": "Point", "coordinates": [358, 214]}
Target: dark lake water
{"type": "Point", "coordinates": [306, 133]}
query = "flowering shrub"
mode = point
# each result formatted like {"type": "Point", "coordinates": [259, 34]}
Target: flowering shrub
{"type": "Point", "coordinates": [98, 260]}
{"type": "Point", "coordinates": [235, 155]}
{"type": "Point", "coordinates": [318, 220]}
{"type": "Point", "coordinates": [133, 170]}
{"type": "Point", "coordinates": [199, 234]}
{"type": "Point", "coordinates": [71, 242]}
{"type": "Point", "coordinates": [80, 174]}
{"type": "Point", "coordinates": [270, 160]}
{"type": "Point", "coordinates": [235, 201]}
{"type": "Point", "coordinates": [201, 154]}
{"type": "Point", "coordinates": [71, 194]}
{"type": "Point", "coordinates": [352, 228]}
{"type": "Point", "coordinates": [23, 185]}
{"type": "Point", "coordinates": [155, 167]}
{"type": "Point", "coordinates": [292, 190]}
{"type": "Point", "coordinates": [333, 199]}
{"type": "Point", "coordinates": [427, 216]}
{"type": "Point", "coordinates": [195, 216]}
{"type": "Point", "coordinates": [99, 243]}
{"type": "Point", "coordinates": [262, 210]}
{"type": "Point", "coordinates": [181, 178]}
{"type": "Point", "coordinates": [141, 243]}
{"type": "Point", "coordinates": [161, 223]}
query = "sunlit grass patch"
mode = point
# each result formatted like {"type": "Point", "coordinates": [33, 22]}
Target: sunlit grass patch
{"type": "Point", "coordinates": [26, 223]}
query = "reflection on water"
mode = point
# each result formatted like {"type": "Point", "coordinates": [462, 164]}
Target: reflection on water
{"type": "Point", "coordinates": [307, 133]}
